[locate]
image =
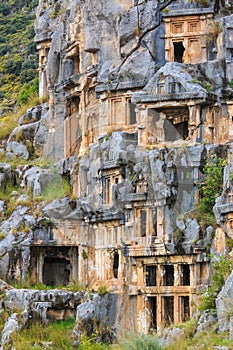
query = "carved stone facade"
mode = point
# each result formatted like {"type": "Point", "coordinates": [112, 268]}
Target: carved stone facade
{"type": "Point", "coordinates": [126, 232]}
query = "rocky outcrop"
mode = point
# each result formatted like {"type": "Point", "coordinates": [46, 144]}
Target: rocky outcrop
{"type": "Point", "coordinates": [97, 316]}
{"type": "Point", "coordinates": [224, 304]}
{"type": "Point", "coordinates": [138, 101]}
{"type": "Point", "coordinates": [94, 314]}
{"type": "Point", "coordinates": [168, 337]}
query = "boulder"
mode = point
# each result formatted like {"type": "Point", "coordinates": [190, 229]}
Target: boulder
{"type": "Point", "coordinates": [224, 305]}
{"type": "Point", "coordinates": [17, 149]}
{"type": "Point", "coordinates": [98, 312]}
{"type": "Point", "coordinates": [11, 326]}
{"type": "Point", "coordinates": [168, 337]}
{"type": "Point", "coordinates": [205, 322]}
{"type": "Point", "coordinates": [5, 173]}
{"type": "Point", "coordinates": [59, 209]}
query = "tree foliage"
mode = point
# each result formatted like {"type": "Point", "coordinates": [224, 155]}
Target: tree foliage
{"type": "Point", "coordinates": [18, 56]}
{"type": "Point", "coordinates": [212, 185]}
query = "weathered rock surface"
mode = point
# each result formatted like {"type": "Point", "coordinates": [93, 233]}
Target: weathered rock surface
{"type": "Point", "coordinates": [59, 209]}
{"type": "Point", "coordinates": [5, 174]}
{"type": "Point", "coordinates": [170, 336]}
{"type": "Point", "coordinates": [11, 326]}
{"type": "Point", "coordinates": [205, 322]}
{"type": "Point", "coordinates": [224, 304]}
{"type": "Point", "coordinates": [136, 131]}
{"type": "Point", "coordinates": [97, 313]}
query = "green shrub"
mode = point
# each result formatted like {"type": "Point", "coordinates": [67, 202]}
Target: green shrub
{"type": "Point", "coordinates": [58, 189]}
{"type": "Point", "coordinates": [102, 290]}
{"type": "Point", "coordinates": [212, 185]}
{"type": "Point", "coordinates": [87, 343]}
{"type": "Point", "coordinates": [139, 342]}
{"type": "Point", "coordinates": [28, 91]}
{"type": "Point", "coordinates": [221, 270]}
{"type": "Point", "coordinates": [57, 335]}
{"type": "Point", "coordinates": [7, 125]}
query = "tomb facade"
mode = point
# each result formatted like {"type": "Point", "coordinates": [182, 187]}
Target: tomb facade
{"type": "Point", "coordinates": [139, 111]}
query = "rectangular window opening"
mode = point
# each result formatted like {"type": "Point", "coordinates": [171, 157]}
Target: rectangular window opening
{"type": "Point", "coordinates": [168, 276]}
{"type": "Point", "coordinates": [132, 113]}
{"type": "Point", "coordinates": [143, 218]}
{"type": "Point", "coordinates": [184, 308]}
{"type": "Point", "coordinates": [168, 310]}
{"type": "Point", "coordinates": [178, 51]}
{"type": "Point", "coordinates": [153, 312]}
{"type": "Point", "coordinates": [150, 276]}
{"type": "Point", "coordinates": [107, 190]}
{"type": "Point", "coordinates": [185, 275]}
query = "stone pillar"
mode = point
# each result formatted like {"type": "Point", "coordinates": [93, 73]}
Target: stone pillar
{"type": "Point", "coordinates": [142, 131]}
{"type": "Point", "coordinates": [176, 309]}
{"type": "Point", "coordinates": [160, 222]}
{"type": "Point", "coordinates": [43, 86]}
{"type": "Point", "coordinates": [140, 306]}
{"type": "Point", "coordinates": [168, 51]}
{"type": "Point", "coordinates": [40, 264]}
{"type": "Point", "coordinates": [159, 276]}
{"type": "Point", "coordinates": [194, 121]}
{"type": "Point", "coordinates": [159, 313]}
{"type": "Point", "coordinates": [139, 313]}
{"type": "Point", "coordinates": [203, 23]}
{"type": "Point", "coordinates": [140, 275]}
{"type": "Point", "coordinates": [43, 49]}
{"type": "Point", "coordinates": [177, 274]}
{"type": "Point", "coordinates": [74, 270]}
{"type": "Point", "coordinates": [193, 281]}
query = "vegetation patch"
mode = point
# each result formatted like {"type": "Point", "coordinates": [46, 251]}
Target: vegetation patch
{"type": "Point", "coordinates": [102, 290]}
{"type": "Point", "coordinates": [58, 189]}
{"type": "Point", "coordinates": [221, 270]}
{"type": "Point", "coordinates": [209, 189]}
{"type": "Point", "coordinates": [139, 342]}
{"type": "Point", "coordinates": [56, 335]}
{"type": "Point", "coordinates": [18, 54]}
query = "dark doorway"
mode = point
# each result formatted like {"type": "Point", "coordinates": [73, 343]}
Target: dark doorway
{"type": "Point", "coordinates": [56, 271]}
{"type": "Point", "coordinates": [153, 311]}
{"type": "Point", "coordinates": [184, 308]}
{"type": "Point", "coordinates": [168, 310]}
{"type": "Point", "coordinates": [168, 277]}
{"type": "Point", "coordinates": [182, 129]}
{"type": "Point", "coordinates": [115, 264]}
{"type": "Point", "coordinates": [132, 113]}
{"type": "Point", "coordinates": [174, 131]}
{"type": "Point", "coordinates": [143, 218]}
{"type": "Point", "coordinates": [185, 275]}
{"type": "Point", "coordinates": [178, 51]}
{"type": "Point", "coordinates": [151, 276]}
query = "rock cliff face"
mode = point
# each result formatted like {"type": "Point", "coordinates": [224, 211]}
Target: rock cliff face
{"type": "Point", "coordinates": [140, 98]}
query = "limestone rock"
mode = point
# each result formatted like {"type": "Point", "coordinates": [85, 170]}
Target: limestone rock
{"type": "Point", "coordinates": [1, 206]}
{"type": "Point", "coordinates": [33, 114]}
{"type": "Point", "coordinates": [169, 336]}
{"type": "Point", "coordinates": [205, 322]}
{"type": "Point", "coordinates": [191, 234]}
{"type": "Point", "coordinates": [39, 179]}
{"type": "Point", "coordinates": [97, 312]}
{"type": "Point", "coordinates": [224, 304]}
{"type": "Point", "coordinates": [134, 68]}
{"type": "Point", "coordinates": [59, 209]}
{"type": "Point", "coordinates": [15, 148]}
{"type": "Point", "coordinates": [12, 325]}
{"type": "Point", "coordinates": [5, 173]}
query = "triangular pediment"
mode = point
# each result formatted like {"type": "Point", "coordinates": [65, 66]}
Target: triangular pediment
{"type": "Point", "coordinates": [171, 82]}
